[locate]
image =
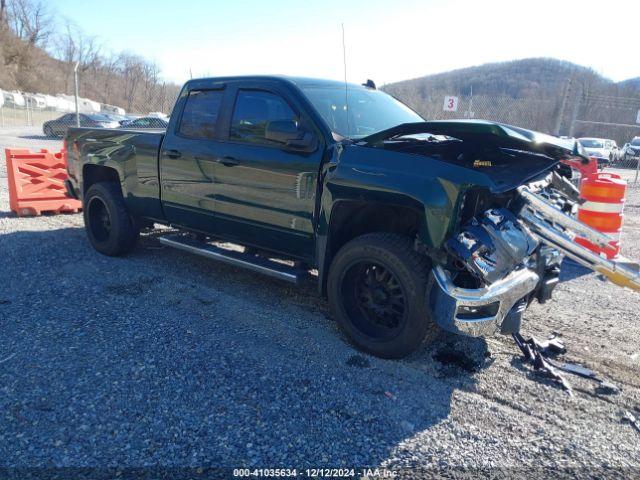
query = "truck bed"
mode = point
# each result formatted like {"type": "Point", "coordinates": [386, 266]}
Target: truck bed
{"type": "Point", "coordinates": [133, 154]}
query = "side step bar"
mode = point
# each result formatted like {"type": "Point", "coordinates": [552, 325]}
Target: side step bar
{"type": "Point", "coordinates": [231, 257]}
{"type": "Point", "coordinates": [543, 218]}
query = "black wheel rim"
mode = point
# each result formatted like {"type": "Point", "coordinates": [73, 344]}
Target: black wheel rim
{"type": "Point", "coordinates": [374, 300]}
{"type": "Point", "coordinates": [99, 220]}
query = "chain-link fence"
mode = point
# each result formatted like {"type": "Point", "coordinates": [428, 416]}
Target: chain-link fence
{"type": "Point", "coordinates": [612, 124]}
{"type": "Point", "coordinates": [36, 121]}
{"type": "Point", "coordinates": [24, 116]}
{"type": "Point", "coordinates": [527, 113]}
{"type": "Point", "coordinates": [614, 118]}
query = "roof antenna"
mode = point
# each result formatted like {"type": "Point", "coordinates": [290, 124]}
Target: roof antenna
{"type": "Point", "coordinates": [346, 92]}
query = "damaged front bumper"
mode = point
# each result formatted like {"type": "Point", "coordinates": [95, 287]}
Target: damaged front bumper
{"type": "Point", "coordinates": [477, 311]}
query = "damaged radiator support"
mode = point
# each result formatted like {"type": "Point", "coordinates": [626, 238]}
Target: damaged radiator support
{"type": "Point", "coordinates": [543, 219]}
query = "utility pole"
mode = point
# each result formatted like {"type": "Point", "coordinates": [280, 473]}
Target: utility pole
{"type": "Point", "coordinates": [75, 81]}
{"type": "Point", "coordinates": [563, 104]}
{"type": "Point", "coordinates": [574, 115]}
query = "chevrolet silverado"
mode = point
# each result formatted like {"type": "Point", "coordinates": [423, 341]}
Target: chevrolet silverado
{"type": "Point", "coordinates": [407, 225]}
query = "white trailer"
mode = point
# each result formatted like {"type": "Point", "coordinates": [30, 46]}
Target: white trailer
{"type": "Point", "coordinates": [64, 104]}
{"type": "Point", "coordinates": [88, 106]}
{"type": "Point", "coordinates": [51, 102]}
{"type": "Point", "coordinates": [35, 101]}
{"type": "Point", "coordinates": [14, 99]}
{"type": "Point", "coordinates": [104, 107]}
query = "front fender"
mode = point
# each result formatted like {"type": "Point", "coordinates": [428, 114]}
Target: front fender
{"type": "Point", "coordinates": [421, 183]}
{"type": "Point", "coordinates": [364, 174]}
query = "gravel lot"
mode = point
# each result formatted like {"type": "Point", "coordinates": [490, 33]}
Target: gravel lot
{"type": "Point", "coordinates": [162, 358]}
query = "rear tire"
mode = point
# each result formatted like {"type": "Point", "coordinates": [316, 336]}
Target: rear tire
{"type": "Point", "coordinates": [377, 289]}
{"type": "Point", "coordinates": [110, 228]}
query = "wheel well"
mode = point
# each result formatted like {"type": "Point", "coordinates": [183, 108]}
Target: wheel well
{"type": "Point", "coordinates": [353, 219]}
{"type": "Point", "coordinates": [98, 173]}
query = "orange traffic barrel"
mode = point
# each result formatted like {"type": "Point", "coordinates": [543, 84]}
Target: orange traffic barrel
{"type": "Point", "coordinates": [604, 195]}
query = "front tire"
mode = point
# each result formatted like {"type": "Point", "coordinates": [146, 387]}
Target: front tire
{"type": "Point", "coordinates": [48, 131]}
{"type": "Point", "coordinates": [110, 228]}
{"type": "Point", "coordinates": [377, 288]}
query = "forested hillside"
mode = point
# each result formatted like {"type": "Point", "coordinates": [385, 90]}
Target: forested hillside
{"type": "Point", "coordinates": [533, 77]}
{"type": "Point", "coordinates": [38, 53]}
{"type": "Point", "coordinates": [545, 94]}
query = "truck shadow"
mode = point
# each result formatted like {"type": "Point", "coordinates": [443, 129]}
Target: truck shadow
{"type": "Point", "coordinates": [571, 270]}
{"type": "Point", "coordinates": [180, 355]}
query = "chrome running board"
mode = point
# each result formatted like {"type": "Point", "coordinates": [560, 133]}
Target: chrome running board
{"type": "Point", "coordinates": [231, 257]}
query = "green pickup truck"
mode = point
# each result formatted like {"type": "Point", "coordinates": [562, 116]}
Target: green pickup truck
{"type": "Point", "coordinates": [406, 225]}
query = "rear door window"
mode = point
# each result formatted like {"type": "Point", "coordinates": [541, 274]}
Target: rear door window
{"type": "Point", "coordinates": [200, 116]}
{"type": "Point", "coordinates": [253, 110]}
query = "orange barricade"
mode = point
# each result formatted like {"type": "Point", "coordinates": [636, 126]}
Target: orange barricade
{"type": "Point", "coordinates": [36, 183]}
{"type": "Point", "coordinates": [604, 195]}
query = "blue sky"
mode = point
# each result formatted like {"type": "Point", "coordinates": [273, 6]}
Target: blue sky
{"type": "Point", "coordinates": [386, 40]}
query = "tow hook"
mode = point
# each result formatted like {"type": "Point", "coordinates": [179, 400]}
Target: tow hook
{"type": "Point", "coordinates": [538, 353]}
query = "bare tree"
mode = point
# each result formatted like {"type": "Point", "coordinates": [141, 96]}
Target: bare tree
{"type": "Point", "coordinates": [131, 69]}
{"type": "Point", "coordinates": [74, 46]}
{"type": "Point", "coordinates": [30, 20]}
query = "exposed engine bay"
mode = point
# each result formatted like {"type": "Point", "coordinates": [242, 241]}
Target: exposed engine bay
{"type": "Point", "coordinates": [495, 242]}
{"type": "Point", "coordinates": [513, 232]}
{"type": "Point", "coordinates": [504, 257]}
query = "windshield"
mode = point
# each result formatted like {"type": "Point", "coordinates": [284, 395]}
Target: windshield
{"type": "Point", "coordinates": [370, 111]}
{"type": "Point", "coordinates": [636, 142]}
{"type": "Point", "coordinates": [591, 143]}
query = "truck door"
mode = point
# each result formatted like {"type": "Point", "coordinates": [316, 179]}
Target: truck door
{"type": "Point", "coordinates": [187, 157]}
{"type": "Point", "coordinates": [265, 187]}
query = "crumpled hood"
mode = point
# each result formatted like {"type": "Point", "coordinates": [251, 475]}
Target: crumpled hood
{"type": "Point", "coordinates": [508, 155]}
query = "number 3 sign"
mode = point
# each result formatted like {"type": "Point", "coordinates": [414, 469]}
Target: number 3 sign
{"type": "Point", "coordinates": [450, 104]}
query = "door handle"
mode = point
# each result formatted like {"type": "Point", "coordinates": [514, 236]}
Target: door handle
{"type": "Point", "coordinates": [172, 153]}
{"type": "Point", "coordinates": [228, 161]}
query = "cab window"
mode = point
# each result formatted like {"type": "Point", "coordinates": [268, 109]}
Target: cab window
{"type": "Point", "coordinates": [253, 111]}
{"type": "Point", "coordinates": [200, 115]}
